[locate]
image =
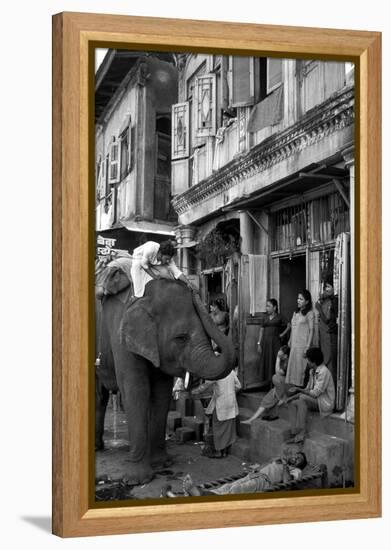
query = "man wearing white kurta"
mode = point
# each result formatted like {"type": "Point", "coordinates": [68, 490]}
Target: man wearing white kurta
{"type": "Point", "coordinates": [153, 254]}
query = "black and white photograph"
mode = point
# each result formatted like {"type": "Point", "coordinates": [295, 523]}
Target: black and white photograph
{"type": "Point", "coordinates": [224, 271]}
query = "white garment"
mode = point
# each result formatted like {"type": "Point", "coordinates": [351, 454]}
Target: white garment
{"type": "Point", "coordinates": [224, 397]}
{"type": "Point", "coordinates": [144, 257]}
{"type": "Point", "coordinates": [258, 267]}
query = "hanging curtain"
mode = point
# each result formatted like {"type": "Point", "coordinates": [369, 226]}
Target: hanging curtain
{"type": "Point", "coordinates": [258, 270]}
{"type": "Point", "coordinates": [342, 289]}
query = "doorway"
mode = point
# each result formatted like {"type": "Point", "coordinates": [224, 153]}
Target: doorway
{"type": "Point", "coordinates": [214, 287]}
{"type": "Point", "coordinates": [292, 280]}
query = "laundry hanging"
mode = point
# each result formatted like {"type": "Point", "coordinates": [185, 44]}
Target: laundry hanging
{"type": "Point", "coordinates": [258, 271]}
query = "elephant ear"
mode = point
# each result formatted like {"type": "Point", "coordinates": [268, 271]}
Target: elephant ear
{"type": "Point", "coordinates": [138, 331]}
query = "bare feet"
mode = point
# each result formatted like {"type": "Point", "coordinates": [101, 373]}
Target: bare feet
{"type": "Point", "coordinates": [189, 488]}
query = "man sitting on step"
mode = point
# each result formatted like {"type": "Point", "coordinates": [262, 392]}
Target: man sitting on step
{"type": "Point", "coordinates": [318, 395]}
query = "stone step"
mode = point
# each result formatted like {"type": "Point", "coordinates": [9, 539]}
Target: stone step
{"type": "Point", "coordinates": [195, 424]}
{"type": "Point", "coordinates": [241, 449]}
{"type": "Point", "coordinates": [182, 435]}
{"type": "Point", "coordinates": [333, 451]}
{"type": "Point", "coordinates": [331, 425]}
{"type": "Point", "coordinates": [268, 440]}
{"type": "Point", "coordinates": [250, 400]}
{"type": "Point", "coordinates": [174, 421]}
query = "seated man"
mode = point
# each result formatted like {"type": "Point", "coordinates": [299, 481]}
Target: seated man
{"type": "Point", "coordinates": [151, 254]}
{"type": "Point", "coordinates": [280, 470]}
{"type": "Point", "coordinates": [318, 395]}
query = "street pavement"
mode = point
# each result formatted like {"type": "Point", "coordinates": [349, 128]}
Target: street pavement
{"type": "Point", "coordinates": [112, 463]}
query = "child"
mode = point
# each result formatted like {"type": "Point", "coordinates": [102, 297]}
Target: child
{"type": "Point", "coordinates": [276, 395]}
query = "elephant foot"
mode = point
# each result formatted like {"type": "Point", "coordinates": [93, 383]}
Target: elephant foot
{"type": "Point", "coordinates": [138, 475]}
{"type": "Point", "coordinates": [99, 445]}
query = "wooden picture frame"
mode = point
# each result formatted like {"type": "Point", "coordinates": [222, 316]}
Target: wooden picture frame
{"type": "Point", "coordinates": [74, 34]}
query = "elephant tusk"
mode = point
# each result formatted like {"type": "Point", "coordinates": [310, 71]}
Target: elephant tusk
{"type": "Point", "coordinates": [187, 380]}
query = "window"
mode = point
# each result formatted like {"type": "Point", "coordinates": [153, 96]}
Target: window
{"type": "Point", "coordinates": [205, 87]}
{"type": "Point", "coordinates": [330, 217]}
{"type": "Point", "coordinates": [98, 177]}
{"type": "Point", "coordinates": [273, 74]}
{"type": "Point", "coordinates": [318, 80]}
{"type": "Point", "coordinates": [241, 81]}
{"type": "Point", "coordinates": [180, 130]}
{"type": "Point", "coordinates": [114, 161]}
{"type": "Point", "coordinates": [290, 227]}
{"type": "Point", "coordinates": [126, 151]}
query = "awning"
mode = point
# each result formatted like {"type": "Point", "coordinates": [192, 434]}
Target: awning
{"type": "Point", "coordinates": [148, 227]}
{"type": "Point", "coordinates": [267, 112]}
{"type": "Point", "coordinates": [316, 175]}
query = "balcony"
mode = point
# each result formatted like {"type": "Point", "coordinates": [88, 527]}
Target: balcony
{"type": "Point", "coordinates": [321, 123]}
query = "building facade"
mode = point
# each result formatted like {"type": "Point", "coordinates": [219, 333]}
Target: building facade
{"type": "Point", "coordinates": [263, 185]}
{"type": "Point", "coordinates": [133, 97]}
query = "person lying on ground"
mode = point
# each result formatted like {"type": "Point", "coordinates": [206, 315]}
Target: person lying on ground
{"type": "Point", "coordinates": [318, 395]}
{"type": "Point", "coordinates": [280, 470]}
{"type": "Point", "coordinates": [277, 395]}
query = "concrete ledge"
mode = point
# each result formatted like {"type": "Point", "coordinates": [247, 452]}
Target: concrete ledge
{"type": "Point", "coordinates": [194, 424]}
{"type": "Point", "coordinates": [184, 434]}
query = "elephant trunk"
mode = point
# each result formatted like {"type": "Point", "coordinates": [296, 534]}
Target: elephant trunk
{"type": "Point", "coordinates": [206, 364]}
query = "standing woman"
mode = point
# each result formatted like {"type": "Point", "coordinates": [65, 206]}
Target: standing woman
{"type": "Point", "coordinates": [327, 307]}
{"type": "Point", "coordinates": [300, 341]}
{"type": "Point", "coordinates": [272, 329]}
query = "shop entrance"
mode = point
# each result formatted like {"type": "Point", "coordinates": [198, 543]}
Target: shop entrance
{"type": "Point", "coordinates": [292, 280]}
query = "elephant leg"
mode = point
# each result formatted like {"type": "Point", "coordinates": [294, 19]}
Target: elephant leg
{"type": "Point", "coordinates": [134, 384]}
{"type": "Point", "coordinates": [161, 392]}
{"type": "Point", "coordinates": [101, 400]}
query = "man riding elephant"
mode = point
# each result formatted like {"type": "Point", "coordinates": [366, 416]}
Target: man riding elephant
{"type": "Point", "coordinates": [146, 257]}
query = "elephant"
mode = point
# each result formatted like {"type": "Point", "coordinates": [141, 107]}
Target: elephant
{"type": "Point", "coordinates": [145, 343]}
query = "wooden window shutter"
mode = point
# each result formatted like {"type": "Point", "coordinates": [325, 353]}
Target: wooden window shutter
{"type": "Point", "coordinates": [98, 178]}
{"type": "Point", "coordinates": [241, 81]}
{"type": "Point", "coordinates": [114, 162]}
{"type": "Point", "coordinates": [205, 94]}
{"type": "Point", "coordinates": [180, 130]}
{"type": "Point", "coordinates": [274, 74]}
{"type": "Point", "coordinates": [129, 156]}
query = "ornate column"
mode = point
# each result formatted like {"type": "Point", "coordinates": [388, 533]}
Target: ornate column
{"type": "Point", "coordinates": [348, 155]}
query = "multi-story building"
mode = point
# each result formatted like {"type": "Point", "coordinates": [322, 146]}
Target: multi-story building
{"type": "Point", "coordinates": [263, 181]}
{"type": "Point", "coordinates": [133, 97]}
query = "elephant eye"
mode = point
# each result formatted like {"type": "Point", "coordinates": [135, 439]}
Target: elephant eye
{"type": "Point", "coordinates": [181, 338]}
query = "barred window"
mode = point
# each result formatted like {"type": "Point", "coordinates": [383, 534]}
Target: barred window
{"type": "Point", "coordinates": [291, 227]}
